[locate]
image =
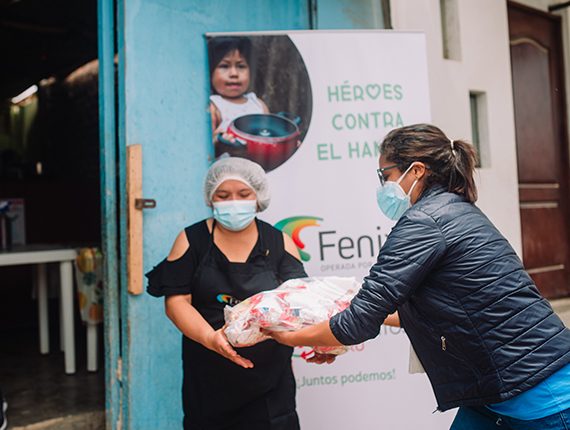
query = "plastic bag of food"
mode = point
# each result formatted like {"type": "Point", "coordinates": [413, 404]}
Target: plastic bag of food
{"type": "Point", "coordinates": [295, 304]}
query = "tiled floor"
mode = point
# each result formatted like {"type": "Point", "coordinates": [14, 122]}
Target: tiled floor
{"type": "Point", "coordinates": [36, 387]}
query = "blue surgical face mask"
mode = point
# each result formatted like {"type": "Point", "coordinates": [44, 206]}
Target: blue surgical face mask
{"type": "Point", "coordinates": [234, 215]}
{"type": "Point", "coordinates": [392, 199]}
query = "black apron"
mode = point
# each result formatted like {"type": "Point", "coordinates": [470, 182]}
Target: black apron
{"type": "Point", "coordinates": [217, 393]}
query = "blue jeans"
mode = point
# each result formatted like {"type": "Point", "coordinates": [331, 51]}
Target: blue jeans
{"type": "Point", "coordinates": [481, 418]}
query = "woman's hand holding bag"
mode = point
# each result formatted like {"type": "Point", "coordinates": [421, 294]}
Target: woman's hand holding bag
{"type": "Point", "coordinates": [217, 341]}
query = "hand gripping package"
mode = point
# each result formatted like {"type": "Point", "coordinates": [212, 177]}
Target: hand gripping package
{"type": "Point", "coordinates": [295, 304]}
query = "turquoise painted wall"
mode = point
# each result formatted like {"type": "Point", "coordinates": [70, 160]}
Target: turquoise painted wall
{"type": "Point", "coordinates": [166, 88]}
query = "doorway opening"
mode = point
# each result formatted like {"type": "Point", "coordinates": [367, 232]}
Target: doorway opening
{"type": "Point", "coordinates": [49, 172]}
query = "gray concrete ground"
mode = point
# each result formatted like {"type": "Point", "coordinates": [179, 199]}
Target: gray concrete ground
{"type": "Point", "coordinates": [39, 393]}
{"type": "Point", "coordinates": [84, 421]}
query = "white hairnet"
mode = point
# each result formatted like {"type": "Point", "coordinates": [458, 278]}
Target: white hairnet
{"type": "Point", "coordinates": [250, 173]}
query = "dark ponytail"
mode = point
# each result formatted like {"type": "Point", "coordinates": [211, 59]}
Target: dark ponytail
{"type": "Point", "coordinates": [450, 163]}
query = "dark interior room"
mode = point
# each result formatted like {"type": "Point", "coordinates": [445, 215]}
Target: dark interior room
{"type": "Point", "coordinates": [49, 171]}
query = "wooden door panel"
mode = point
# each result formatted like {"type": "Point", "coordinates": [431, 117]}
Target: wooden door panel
{"type": "Point", "coordinates": [533, 106]}
{"type": "Point", "coordinates": [537, 192]}
{"type": "Point", "coordinates": [555, 278]}
{"type": "Point", "coordinates": [542, 146]}
{"type": "Point", "coordinates": [541, 235]}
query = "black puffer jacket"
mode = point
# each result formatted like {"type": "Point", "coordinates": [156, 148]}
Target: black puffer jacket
{"type": "Point", "coordinates": [479, 326]}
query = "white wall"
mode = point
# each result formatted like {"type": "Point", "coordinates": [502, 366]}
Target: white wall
{"type": "Point", "coordinates": [484, 67]}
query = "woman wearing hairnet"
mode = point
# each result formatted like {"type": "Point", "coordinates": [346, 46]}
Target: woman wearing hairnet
{"type": "Point", "coordinates": [218, 261]}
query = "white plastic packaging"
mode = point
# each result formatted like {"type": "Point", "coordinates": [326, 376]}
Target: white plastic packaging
{"type": "Point", "coordinates": [295, 304]}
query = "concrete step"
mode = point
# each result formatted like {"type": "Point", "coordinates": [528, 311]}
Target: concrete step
{"type": "Point", "coordinates": [85, 421]}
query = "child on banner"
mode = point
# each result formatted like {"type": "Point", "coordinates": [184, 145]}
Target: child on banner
{"type": "Point", "coordinates": [230, 60]}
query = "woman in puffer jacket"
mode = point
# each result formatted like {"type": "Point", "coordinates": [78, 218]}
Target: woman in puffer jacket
{"type": "Point", "coordinates": [488, 341]}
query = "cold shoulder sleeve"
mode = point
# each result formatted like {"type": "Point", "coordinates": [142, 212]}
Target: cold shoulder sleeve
{"type": "Point", "coordinates": [174, 277]}
{"type": "Point", "coordinates": [171, 278]}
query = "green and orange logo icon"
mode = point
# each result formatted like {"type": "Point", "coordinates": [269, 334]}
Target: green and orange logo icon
{"type": "Point", "coordinates": [293, 226]}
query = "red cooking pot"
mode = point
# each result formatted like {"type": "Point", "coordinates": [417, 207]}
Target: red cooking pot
{"type": "Point", "coordinates": [267, 139]}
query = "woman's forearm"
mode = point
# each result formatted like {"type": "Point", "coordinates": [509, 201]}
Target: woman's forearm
{"type": "Point", "coordinates": [190, 322]}
{"type": "Point", "coordinates": [317, 335]}
{"type": "Point", "coordinates": [188, 319]}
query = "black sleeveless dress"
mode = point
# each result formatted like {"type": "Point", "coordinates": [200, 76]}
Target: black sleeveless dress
{"type": "Point", "coordinates": [217, 393]}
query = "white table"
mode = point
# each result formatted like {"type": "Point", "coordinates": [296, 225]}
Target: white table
{"type": "Point", "coordinates": [41, 255]}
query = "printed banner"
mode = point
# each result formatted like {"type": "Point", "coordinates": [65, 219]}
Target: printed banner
{"type": "Point", "coordinates": [311, 108]}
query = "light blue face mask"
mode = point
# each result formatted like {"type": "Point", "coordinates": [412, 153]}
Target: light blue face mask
{"type": "Point", "coordinates": [392, 199]}
{"type": "Point", "coordinates": [234, 215]}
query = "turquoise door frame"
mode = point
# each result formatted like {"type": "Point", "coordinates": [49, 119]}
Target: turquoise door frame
{"type": "Point", "coordinates": [109, 227]}
{"type": "Point", "coordinates": [162, 91]}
